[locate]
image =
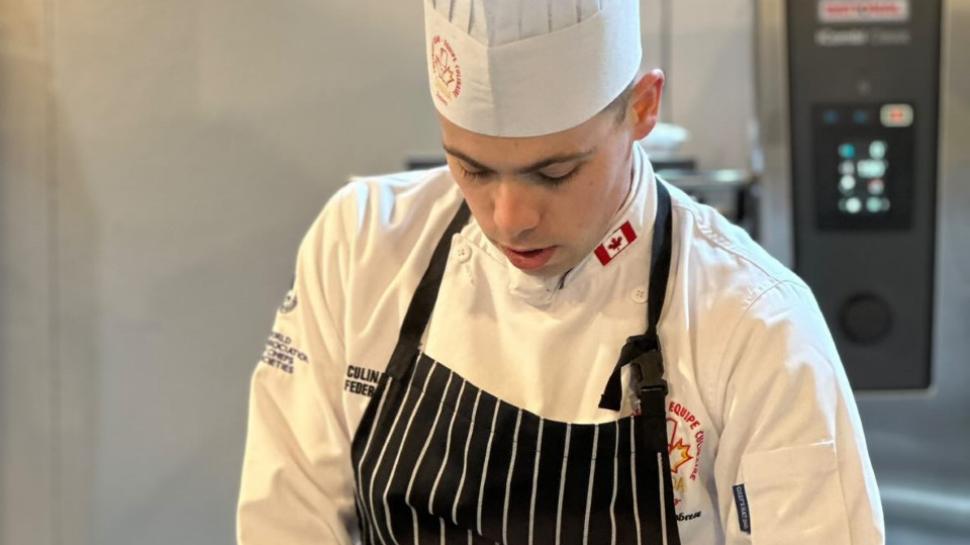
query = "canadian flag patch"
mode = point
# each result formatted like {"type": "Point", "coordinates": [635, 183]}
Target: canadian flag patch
{"type": "Point", "coordinates": [615, 243]}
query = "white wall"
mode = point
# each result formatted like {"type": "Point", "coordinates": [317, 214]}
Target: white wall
{"type": "Point", "coordinates": [712, 79]}
{"type": "Point", "coordinates": [28, 408]}
{"type": "Point", "coordinates": [159, 162]}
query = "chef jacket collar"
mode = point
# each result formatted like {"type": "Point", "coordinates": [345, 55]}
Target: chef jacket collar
{"type": "Point", "coordinates": [638, 209]}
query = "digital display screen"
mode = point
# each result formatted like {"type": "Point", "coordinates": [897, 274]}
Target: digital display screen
{"type": "Point", "coordinates": [863, 166]}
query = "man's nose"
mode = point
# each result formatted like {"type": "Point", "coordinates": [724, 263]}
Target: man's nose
{"type": "Point", "coordinates": [516, 212]}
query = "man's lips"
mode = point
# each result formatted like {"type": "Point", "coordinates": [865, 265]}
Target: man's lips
{"type": "Point", "coordinates": [529, 259]}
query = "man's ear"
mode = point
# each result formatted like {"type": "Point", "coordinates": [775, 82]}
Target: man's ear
{"type": "Point", "coordinates": [645, 102]}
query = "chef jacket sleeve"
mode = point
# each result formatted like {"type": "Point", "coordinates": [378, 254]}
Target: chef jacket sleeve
{"type": "Point", "coordinates": [792, 464]}
{"type": "Point", "coordinates": [296, 479]}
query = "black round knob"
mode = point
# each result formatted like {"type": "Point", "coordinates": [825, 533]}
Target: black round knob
{"type": "Point", "coordinates": [866, 318]}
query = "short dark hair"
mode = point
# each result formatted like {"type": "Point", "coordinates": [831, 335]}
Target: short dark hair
{"type": "Point", "coordinates": [621, 103]}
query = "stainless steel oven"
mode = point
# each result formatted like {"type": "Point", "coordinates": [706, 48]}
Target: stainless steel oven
{"type": "Point", "coordinates": [864, 167]}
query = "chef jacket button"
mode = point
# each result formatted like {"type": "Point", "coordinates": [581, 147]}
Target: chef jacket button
{"type": "Point", "coordinates": [639, 295]}
{"type": "Point", "coordinates": [463, 253]}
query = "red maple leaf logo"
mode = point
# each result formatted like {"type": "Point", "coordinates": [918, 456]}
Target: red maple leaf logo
{"type": "Point", "coordinates": [441, 63]}
{"type": "Point", "coordinates": [615, 243]}
{"type": "Point", "coordinates": [679, 455]}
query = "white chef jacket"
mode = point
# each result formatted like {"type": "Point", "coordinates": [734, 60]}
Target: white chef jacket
{"type": "Point", "coordinates": [760, 412]}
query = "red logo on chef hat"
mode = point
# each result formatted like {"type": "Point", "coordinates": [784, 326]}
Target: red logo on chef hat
{"type": "Point", "coordinates": [446, 72]}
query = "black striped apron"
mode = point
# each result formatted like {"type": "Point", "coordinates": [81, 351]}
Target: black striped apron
{"type": "Point", "coordinates": [438, 460]}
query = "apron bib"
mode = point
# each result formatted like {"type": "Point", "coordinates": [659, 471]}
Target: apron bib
{"type": "Point", "coordinates": [438, 460]}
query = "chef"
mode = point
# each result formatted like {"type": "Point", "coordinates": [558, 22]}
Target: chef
{"type": "Point", "coordinates": [543, 342]}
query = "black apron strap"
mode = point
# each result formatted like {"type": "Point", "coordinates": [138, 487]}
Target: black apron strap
{"type": "Point", "coordinates": [643, 351]}
{"type": "Point", "coordinates": [423, 301]}
{"type": "Point", "coordinates": [649, 368]}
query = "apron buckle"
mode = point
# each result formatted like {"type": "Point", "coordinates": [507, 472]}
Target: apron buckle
{"type": "Point", "coordinates": [650, 365]}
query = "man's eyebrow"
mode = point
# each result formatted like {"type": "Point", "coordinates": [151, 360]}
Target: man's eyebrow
{"type": "Point", "coordinates": [538, 165]}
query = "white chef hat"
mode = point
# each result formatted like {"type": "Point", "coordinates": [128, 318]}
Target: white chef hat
{"type": "Point", "coordinates": [529, 67]}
